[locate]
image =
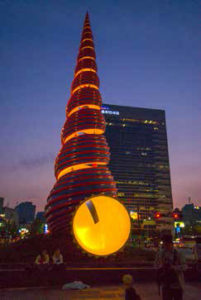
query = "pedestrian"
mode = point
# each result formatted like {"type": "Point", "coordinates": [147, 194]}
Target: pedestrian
{"type": "Point", "coordinates": [130, 292]}
{"type": "Point", "coordinates": [170, 265]}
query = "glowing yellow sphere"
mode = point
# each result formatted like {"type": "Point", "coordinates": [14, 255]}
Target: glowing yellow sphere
{"type": "Point", "coordinates": [101, 225]}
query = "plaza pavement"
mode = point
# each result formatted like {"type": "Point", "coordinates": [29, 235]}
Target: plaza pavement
{"type": "Point", "coordinates": [148, 291]}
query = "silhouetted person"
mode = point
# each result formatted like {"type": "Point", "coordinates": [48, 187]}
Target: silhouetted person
{"type": "Point", "coordinates": [170, 264]}
{"type": "Point", "coordinates": [130, 292]}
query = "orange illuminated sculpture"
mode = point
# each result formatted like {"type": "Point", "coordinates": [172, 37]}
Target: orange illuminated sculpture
{"type": "Point", "coordinates": [101, 225]}
{"type": "Point", "coordinates": [81, 166]}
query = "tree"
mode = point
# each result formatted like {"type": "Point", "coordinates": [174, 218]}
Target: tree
{"type": "Point", "coordinates": [36, 227]}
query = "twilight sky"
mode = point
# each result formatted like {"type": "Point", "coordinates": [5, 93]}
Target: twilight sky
{"type": "Point", "coordinates": [148, 55]}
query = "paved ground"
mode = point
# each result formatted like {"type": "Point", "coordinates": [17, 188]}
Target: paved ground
{"type": "Point", "coordinates": [148, 291]}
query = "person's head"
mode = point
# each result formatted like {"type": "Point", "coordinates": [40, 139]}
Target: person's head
{"type": "Point", "coordinates": [57, 252]}
{"type": "Point", "coordinates": [167, 242]}
{"type": "Point", "coordinates": [44, 252]}
{"type": "Point", "coordinates": [127, 280]}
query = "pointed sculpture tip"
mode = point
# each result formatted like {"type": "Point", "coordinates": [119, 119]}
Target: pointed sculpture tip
{"type": "Point", "coordinates": [87, 16]}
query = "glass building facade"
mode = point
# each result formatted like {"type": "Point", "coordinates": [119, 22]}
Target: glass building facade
{"type": "Point", "coordinates": [139, 161]}
{"type": "Point", "coordinates": [26, 212]}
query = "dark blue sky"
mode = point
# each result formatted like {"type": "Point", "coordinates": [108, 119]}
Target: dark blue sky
{"type": "Point", "coordinates": [148, 55]}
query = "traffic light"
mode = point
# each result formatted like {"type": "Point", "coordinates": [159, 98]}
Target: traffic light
{"type": "Point", "coordinates": [157, 215]}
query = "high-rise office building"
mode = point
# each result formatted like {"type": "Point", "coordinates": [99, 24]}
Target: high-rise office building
{"type": "Point", "coordinates": [191, 214]}
{"type": "Point", "coordinates": [139, 160]}
{"type": "Point", "coordinates": [26, 212]}
{"type": "Point", "coordinates": [11, 215]}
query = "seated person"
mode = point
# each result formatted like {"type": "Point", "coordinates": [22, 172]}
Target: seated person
{"type": "Point", "coordinates": [45, 257]}
{"type": "Point", "coordinates": [57, 257]}
{"type": "Point", "coordinates": [42, 260]}
{"type": "Point", "coordinates": [38, 260]}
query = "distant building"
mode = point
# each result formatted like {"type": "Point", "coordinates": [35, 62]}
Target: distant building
{"type": "Point", "coordinates": [26, 212]}
{"type": "Point", "coordinates": [41, 216]}
{"type": "Point", "coordinates": [7, 214]}
{"type": "Point", "coordinates": [191, 214]}
{"type": "Point", "coordinates": [139, 160]}
{"type": "Point", "coordinates": [1, 204]}
{"type": "Point", "coordinates": [11, 215]}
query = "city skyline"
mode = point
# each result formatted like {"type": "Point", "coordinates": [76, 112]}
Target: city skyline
{"type": "Point", "coordinates": [158, 69]}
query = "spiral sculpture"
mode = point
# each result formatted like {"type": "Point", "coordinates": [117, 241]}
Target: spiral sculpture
{"type": "Point", "coordinates": [81, 165]}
